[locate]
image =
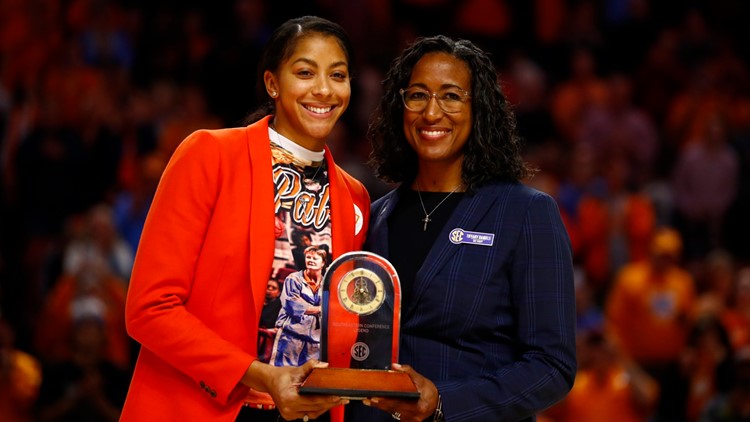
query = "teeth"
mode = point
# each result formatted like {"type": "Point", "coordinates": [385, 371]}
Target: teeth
{"type": "Point", "coordinates": [434, 132]}
{"type": "Point", "coordinates": [319, 110]}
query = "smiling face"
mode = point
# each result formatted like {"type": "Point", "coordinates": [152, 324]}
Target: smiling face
{"type": "Point", "coordinates": [312, 90]}
{"type": "Point", "coordinates": [437, 136]}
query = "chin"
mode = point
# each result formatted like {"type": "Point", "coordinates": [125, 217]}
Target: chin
{"type": "Point", "coordinates": [320, 133]}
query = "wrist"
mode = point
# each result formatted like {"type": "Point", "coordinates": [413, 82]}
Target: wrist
{"type": "Point", "coordinates": [256, 376]}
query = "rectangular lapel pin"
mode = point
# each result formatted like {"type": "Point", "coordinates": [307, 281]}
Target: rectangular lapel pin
{"type": "Point", "coordinates": [459, 236]}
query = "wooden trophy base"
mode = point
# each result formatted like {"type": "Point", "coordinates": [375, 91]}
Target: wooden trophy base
{"type": "Point", "coordinates": [358, 384]}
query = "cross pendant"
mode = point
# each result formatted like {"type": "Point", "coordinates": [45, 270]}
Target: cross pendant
{"type": "Point", "coordinates": [426, 220]}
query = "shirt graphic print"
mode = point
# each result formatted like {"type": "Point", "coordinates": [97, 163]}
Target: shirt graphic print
{"type": "Point", "coordinates": [289, 328]}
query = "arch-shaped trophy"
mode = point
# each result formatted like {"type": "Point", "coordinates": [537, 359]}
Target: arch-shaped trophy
{"type": "Point", "coordinates": [361, 314]}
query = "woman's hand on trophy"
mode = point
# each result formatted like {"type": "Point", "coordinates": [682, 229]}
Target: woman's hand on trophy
{"type": "Point", "coordinates": [282, 383]}
{"type": "Point", "coordinates": [405, 409]}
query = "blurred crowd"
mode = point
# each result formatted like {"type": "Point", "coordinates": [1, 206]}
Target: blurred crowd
{"type": "Point", "coordinates": [635, 112]}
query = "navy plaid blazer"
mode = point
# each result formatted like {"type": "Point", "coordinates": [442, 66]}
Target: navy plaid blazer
{"type": "Point", "coordinates": [492, 326]}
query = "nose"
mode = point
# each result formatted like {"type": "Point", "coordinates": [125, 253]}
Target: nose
{"type": "Point", "coordinates": [322, 86]}
{"type": "Point", "coordinates": [432, 110]}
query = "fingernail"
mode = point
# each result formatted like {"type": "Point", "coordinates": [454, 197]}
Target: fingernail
{"type": "Point", "coordinates": [366, 402]}
{"type": "Point", "coordinates": [375, 400]}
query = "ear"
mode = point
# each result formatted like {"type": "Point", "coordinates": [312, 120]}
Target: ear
{"type": "Point", "coordinates": [272, 86]}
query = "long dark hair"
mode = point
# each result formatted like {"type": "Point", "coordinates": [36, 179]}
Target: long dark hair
{"type": "Point", "coordinates": [493, 151]}
{"type": "Point", "coordinates": [281, 46]}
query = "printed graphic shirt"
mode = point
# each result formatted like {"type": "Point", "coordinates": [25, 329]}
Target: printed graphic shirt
{"type": "Point", "coordinates": [302, 205]}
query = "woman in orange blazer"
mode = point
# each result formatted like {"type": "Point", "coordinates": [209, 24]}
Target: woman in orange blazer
{"type": "Point", "coordinates": [209, 241]}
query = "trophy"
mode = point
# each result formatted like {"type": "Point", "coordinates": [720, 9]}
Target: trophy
{"type": "Point", "coordinates": [361, 313]}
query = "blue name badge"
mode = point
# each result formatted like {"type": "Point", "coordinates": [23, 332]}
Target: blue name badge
{"type": "Point", "coordinates": [458, 236]}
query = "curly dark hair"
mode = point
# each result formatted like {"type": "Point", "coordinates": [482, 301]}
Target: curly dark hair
{"type": "Point", "coordinates": [493, 150]}
{"type": "Point", "coordinates": [281, 46]}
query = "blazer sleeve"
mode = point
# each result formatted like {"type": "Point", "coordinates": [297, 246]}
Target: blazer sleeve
{"type": "Point", "coordinates": [164, 272]}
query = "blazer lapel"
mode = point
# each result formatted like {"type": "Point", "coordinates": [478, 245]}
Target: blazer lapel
{"type": "Point", "coordinates": [261, 237]}
{"type": "Point", "coordinates": [377, 236]}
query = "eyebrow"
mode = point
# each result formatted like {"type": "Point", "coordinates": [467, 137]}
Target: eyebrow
{"type": "Point", "coordinates": [442, 87]}
{"type": "Point", "coordinates": [314, 63]}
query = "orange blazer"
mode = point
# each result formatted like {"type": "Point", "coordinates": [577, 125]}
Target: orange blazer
{"type": "Point", "coordinates": [201, 269]}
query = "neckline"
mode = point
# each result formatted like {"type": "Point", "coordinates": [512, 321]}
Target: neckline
{"type": "Point", "coordinates": [296, 149]}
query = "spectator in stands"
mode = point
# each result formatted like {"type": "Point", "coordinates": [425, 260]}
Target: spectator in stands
{"type": "Point", "coordinates": [706, 364]}
{"type": "Point", "coordinates": [734, 404]}
{"type": "Point", "coordinates": [92, 289]}
{"type": "Point", "coordinates": [86, 386]}
{"type": "Point", "coordinates": [704, 182]}
{"type": "Point", "coordinates": [736, 316]}
{"type": "Point", "coordinates": [654, 299]}
{"type": "Point", "coordinates": [616, 223]}
{"type": "Point", "coordinates": [100, 241]}
{"type": "Point", "coordinates": [608, 387]}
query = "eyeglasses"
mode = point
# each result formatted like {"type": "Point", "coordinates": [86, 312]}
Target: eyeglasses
{"type": "Point", "coordinates": [450, 100]}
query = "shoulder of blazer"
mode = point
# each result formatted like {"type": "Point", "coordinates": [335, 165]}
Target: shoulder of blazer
{"type": "Point", "coordinates": [511, 190]}
{"type": "Point", "coordinates": [510, 198]}
{"type": "Point", "coordinates": [234, 137]}
{"type": "Point", "coordinates": [231, 143]}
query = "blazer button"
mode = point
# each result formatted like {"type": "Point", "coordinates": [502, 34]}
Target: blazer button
{"type": "Point", "coordinates": [207, 389]}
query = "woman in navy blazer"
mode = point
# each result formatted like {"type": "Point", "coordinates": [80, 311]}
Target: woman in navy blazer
{"type": "Point", "coordinates": [488, 311]}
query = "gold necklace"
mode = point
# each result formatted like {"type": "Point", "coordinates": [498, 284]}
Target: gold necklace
{"type": "Point", "coordinates": [427, 215]}
{"type": "Point", "coordinates": [313, 178]}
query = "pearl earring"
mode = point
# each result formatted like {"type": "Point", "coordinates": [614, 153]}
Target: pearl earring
{"type": "Point", "coordinates": [273, 94]}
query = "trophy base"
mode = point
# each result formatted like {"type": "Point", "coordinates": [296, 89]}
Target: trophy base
{"type": "Point", "coordinates": [358, 384]}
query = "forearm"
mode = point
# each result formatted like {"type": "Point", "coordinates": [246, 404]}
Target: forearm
{"type": "Point", "coordinates": [257, 376]}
